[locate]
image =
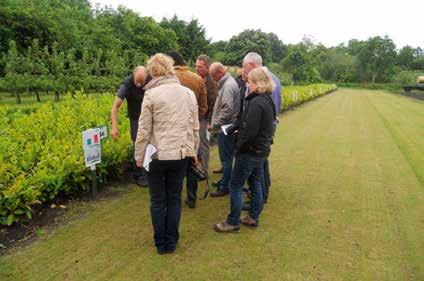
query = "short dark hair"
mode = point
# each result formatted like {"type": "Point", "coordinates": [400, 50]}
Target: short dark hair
{"type": "Point", "coordinates": [177, 57]}
{"type": "Point", "coordinates": [206, 59]}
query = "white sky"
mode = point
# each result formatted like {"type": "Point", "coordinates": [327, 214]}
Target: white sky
{"type": "Point", "coordinates": [327, 21]}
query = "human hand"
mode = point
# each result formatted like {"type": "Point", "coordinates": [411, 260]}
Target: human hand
{"type": "Point", "coordinates": [114, 133]}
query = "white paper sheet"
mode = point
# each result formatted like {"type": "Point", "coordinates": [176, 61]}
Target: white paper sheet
{"type": "Point", "coordinates": [224, 128]}
{"type": "Point", "coordinates": [150, 150]}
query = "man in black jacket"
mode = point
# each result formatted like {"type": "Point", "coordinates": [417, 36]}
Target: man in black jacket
{"type": "Point", "coordinates": [255, 132]}
{"type": "Point", "coordinates": [132, 91]}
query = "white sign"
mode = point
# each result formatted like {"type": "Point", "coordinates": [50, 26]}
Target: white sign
{"type": "Point", "coordinates": [92, 147]}
{"type": "Point", "coordinates": [102, 131]}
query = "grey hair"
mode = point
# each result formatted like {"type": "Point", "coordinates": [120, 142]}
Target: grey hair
{"type": "Point", "coordinates": [206, 59]}
{"type": "Point", "coordinates": [253, 57]}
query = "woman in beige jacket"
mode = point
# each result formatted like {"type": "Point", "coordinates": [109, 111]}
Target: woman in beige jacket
{"type": "Point", "coordinates": [168, 121]}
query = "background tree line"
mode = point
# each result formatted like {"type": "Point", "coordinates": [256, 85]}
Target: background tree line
{"type": "Point", "coordinates": [66, 45]}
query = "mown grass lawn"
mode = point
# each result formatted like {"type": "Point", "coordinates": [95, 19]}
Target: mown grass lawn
{"type": "Point", "coordinates": [347, 203]}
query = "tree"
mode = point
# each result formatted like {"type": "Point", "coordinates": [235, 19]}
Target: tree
{"type": "Point", "coordinates": [191, 36]}
{"type": "Point", "coordinates": [248, 41]}
{"type": "Point", "coordinates": [13, 63]}
{"type": "Point", "coordinates": [377, 59]}
{"type": "Point", "coordinates": [278, 49]}
{"type": "Point", "coordinates": [405, 58]}
{"type": "Point", "coordinates": [300, 63]}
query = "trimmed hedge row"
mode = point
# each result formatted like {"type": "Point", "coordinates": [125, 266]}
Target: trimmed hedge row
{"type": "Point", "coordinates": [41, 152]}
{"type": "Point", "coordinates": [296, 95]}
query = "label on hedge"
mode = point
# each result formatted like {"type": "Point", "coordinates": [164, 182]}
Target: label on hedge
{"type": "Point", "coordinates": [92, 147]}
{"type": "Point", "coordinates": [102, 131]}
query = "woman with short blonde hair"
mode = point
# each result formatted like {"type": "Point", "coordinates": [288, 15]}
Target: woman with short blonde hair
{"type": "Point", "coordinates": [160, 65]}
{"type": "Point", "coordinates": [261, 77]}
{"type": "Point", "coordinates": [253, 146]}
{"type": "Point", "coordinates": [169, 121]}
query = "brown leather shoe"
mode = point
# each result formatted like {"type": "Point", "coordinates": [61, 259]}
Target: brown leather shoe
{"type": "Point", "coordinates": [248, 221]}
{"type": "Point", "coordinates": [219, 193]}
{"type": "Point", "coordinates": [218, 171]}
{"type": "Point", "coordinates": [225, 227]}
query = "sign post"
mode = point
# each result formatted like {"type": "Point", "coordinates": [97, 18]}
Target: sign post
{"type": "Point", "coordinates": [93, 153]}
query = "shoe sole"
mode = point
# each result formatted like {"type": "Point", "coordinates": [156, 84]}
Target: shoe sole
{"type": "Point", "coordinates": [237, 230]}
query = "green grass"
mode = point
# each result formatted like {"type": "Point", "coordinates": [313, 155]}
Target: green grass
{"type": "Point", "coordinates": [346, 204]}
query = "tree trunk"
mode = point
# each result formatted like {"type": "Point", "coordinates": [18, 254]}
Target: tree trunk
{"type": "Point", "coordinates": [374, 76]}
{"type": "Point", "coordinates": [18, 98]}
{"type": "Point", "coordinates": [56, 96]}
{"type": "Point", "coordinates": [38, 95]}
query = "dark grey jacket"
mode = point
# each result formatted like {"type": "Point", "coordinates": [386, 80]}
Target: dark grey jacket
{"type": "Point", "coordinates": [227, 104]}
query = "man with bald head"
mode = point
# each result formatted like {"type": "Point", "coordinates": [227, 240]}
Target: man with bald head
{"type": "Point", "coordinates": [132, 91]}
{"type": "Point", "coordinates": [227, 106]}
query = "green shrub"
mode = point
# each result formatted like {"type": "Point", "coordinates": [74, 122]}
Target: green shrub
{"type": "Point", "coordinates": [41, 152]}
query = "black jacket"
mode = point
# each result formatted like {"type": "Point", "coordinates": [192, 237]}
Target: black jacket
{"type": "Point", "coordinates": [133, 95]}
{"type": "Point", "coordinates": [256, 128]}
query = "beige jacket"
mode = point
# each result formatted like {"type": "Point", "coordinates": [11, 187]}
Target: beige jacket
{"type": "Point", "coordinates": [168, 120]}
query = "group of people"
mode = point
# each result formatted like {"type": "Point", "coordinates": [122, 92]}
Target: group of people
{"type": "Point", "coordinates": [180, 113]}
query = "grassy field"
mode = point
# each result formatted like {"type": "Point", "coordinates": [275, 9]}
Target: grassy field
{"type": "Point", "coordinates": [346, 203]}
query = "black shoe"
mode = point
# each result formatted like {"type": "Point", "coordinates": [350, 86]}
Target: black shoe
{"type": "Point", "coordinates": [190, 204]}
{"type": "Point", "coordinates": [246, 206]}
{"type": "Point", "coordinates": [170, 251]}
{"type": "Point", "coordinates": [219, 193]}
{"type": "Point", "coordinates": [142, 182]}
{"type": "Point", "coordinates": [216, 184]}
{"type": "Point", "coordinates": [162, 251]}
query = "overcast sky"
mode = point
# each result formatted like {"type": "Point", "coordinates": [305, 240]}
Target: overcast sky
{"type": "Point", "coordinates": [327, 21]}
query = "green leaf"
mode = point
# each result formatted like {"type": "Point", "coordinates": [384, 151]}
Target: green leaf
{"type": "Point", "coordinates": [10, 219]}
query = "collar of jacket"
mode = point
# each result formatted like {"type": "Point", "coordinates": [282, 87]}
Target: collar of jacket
{"type": "Point", "coordinates": [254, 95]}
{"type": "Point", "coordinates": [223, 79]}
{"type": "Point", "coordinates": [161, 81]}
{"type": "Point", "coordinates": [181, 67]}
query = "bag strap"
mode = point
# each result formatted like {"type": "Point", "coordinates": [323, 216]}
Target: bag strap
{"type": "Point", "coordinates": [207, 189]}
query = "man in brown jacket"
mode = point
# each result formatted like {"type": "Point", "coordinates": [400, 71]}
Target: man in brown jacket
{"type": "Point", "coordinates": [192, 81]}
{"type": "Point", "coordinates": [195, 83]}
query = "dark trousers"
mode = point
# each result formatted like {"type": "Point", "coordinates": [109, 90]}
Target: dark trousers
{"type": "Point", "coordinates": [266, 180]}
{"type": "Point", "coordinates": [246, 167]}
{"type": "Point", "coordinates": [165, 185]}
{"type": "Point", "coordinates": [226, 155]}
{"type": "Point", "coordinates": [136, 171]}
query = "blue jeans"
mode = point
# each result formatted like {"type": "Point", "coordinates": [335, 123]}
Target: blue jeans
{"type": "Point", "coordinates": [226, 155]}
{"type": "Point", "coordinates": [246, 167]}
{"type": "Point", "coordinates": [165, 185]}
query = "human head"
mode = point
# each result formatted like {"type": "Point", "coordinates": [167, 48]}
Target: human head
{"type": "Point", "coordinates": [177, 57]}
{"type": "Point", "coordinates": [251, 61]}
{"type": "Point", "coordinates": [203, 63]}
{"type": "Point", "coordinates": [139, 74]}
{"type": "Point", "coordinates": [217, 71]}
{"type": "Point", "coordinates": [260, 81]}
{"type": "Point", "coordinates": [160, 65]}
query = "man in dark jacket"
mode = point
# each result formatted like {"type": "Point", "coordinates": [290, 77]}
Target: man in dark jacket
{"type": "Point", "coordinates": [203, 63]}
{"type": "Point", "coordinates": [132, 91]}
{"type": "Point", "coordinates": [253, 146]}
